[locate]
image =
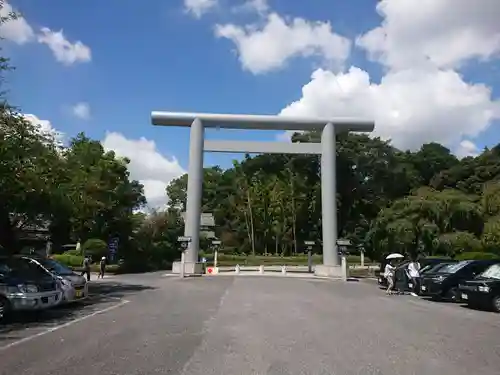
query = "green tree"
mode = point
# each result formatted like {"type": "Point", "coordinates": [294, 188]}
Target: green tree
{"type": "Point", "coordinates": [99, 197]}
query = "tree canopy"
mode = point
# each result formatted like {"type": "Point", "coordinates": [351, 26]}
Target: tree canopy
{"type": "Point", "coordinates": [426, 201]}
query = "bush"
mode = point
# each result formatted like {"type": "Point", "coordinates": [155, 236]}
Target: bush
{"type": "Point", "coordinates": [69, 260]}
{"type": "Point", "coordinates": [477, 256]}
{"type": "Point", "coordinates": [457, 242]}
{"type": "Point", "coordinates": [272, 260]}
{"type": "Point", "coordinates": [75, 262]}
{"type": "Point", "coordinates": [74, 252]}
{"type": "Point", "coordinates": [95, 247]}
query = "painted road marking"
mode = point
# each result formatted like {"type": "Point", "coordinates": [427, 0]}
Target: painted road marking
{"type": "Point", "coordinates": [56, 328]}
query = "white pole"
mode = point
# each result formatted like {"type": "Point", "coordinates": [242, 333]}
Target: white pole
{"type": "Point", "coordinates": [194, 190]}
{"type": "Point", "coordinates": [328, 196]}
{"type": "Point", "coordinates": [344, 267]}
{"type": "Point", "coordinates": [215, 258]}
{"type": "Point", "coordinates": [183, 261]}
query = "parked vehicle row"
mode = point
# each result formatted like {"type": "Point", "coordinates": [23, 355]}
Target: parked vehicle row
{"type": "Point", "coordinates": [474, 282]}
{"type": "Point", "coordinates": [32, 283]}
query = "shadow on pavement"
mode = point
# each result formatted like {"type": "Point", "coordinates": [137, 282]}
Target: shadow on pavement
{"type": "Point", "coordinates": [115, 289]}
{"type": "Point", "coordinates": [101, 296]}
{"type": "Point", "coordinates": [483, 308]}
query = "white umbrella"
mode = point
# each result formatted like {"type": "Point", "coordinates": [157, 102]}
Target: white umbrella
{"type": "Point", "coordinates": [395, 256]}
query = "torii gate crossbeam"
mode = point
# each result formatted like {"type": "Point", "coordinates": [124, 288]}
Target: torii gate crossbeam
{"type": "Point", "coordinates": [327, 149]}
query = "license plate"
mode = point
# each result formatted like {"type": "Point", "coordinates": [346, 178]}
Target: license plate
{"type": "Point", "coordinates": [424, 288]}
{"type": "Point", "coordinates": [78, 294]}
{"type": "Point", "coordinates": [465, 296]}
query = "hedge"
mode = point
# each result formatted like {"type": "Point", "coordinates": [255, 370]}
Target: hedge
{"type": "Point", "coordinates": [75, 262]}
{"type": "Point", "coordinates": [69, 259]}
{"type": "Point", "coordinates": [299, 260]}
{"type": "Point", "coordinates": [477, 256]}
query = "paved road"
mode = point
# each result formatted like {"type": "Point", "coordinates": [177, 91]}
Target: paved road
{"type": "Point", "coordinates": [148, 324]}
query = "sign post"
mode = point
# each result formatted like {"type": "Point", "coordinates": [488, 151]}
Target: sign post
{"type": "Point", "coordinates": [362, 254]}
{"type": "Point", "coordinates": [184, 241]}
{"type": "Point", "coordinates": [216, 244]}
{"type": "Point", "coordinates": [309, 245]}
{"type": "Point", "coordinates": [113, 247]}
{"type": "Point", "coordinates": [343, 244]}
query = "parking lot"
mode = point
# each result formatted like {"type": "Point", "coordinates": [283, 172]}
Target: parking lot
{"type": "Point", "coordinates": [144, 324]}
{"type": "Point", "coordinates": [105, 295]}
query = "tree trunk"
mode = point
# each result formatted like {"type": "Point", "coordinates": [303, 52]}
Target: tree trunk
{"type": "Point", "coordinates": [247, 226]}
{"type": "Point", "coordinates": [294, 217]}
{"type": "Point", "coordinates": [266, 223]}
{"type": "Point", "coordinates": [250, 211]}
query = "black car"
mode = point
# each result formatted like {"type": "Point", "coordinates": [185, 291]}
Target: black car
{"type": "Point", "coordinates": [401, 276]}
{"type": "Point", "coordinates": [484, 290]}
{"type": "Point", "coordinates": [444, 283]}
{"type": "Point", "coordinates": [429, 269]}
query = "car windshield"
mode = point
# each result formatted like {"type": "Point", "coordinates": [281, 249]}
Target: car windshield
{"type": "Point", "coordinates": [55, 267]}
{"type": "Point", "coordinates": [454, 267]}
{"type": "Point", "coordinates": [20, 268]}
{"type": "Point", "coordinates": [493, 272]}
{"type": "Point", "coordinates": [434, 267]}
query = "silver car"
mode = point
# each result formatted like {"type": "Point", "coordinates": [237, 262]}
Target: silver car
{"type": "Point", "coordinates": [73, 285]}
{"type": "Point", "coordinates": [24, 286]}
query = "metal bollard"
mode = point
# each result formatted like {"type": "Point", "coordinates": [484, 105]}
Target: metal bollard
{"type": "Point", "coordinates": [261, 269]}
{"type": "Point", "coordinates": [344, 268]}
{"type": "Point", "coordinates": [183, 262]}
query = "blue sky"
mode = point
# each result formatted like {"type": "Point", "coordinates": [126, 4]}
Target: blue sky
{"type": "Point", "coordinates": [255, 56]}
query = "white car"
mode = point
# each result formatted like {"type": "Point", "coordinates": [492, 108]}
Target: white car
{"type": "Point", "coordinates": [73, 285]}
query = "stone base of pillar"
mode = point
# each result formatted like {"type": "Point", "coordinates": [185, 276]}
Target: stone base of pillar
{"type": "Point", "coordinates": [190, 269]}
{"type": "Point", "coordinates": [335, 272]}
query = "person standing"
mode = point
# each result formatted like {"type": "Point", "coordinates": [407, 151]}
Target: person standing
{"type": "Point", "coordinates": [102, 267]}
{"type": "Point", "coordinates": [390, 275]}
{"type": "Point", "coordinates": [414, 275]}
{"type": "Point", "coordinates": [86, 267]}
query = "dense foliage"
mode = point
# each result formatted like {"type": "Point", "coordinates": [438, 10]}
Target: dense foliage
{"type": "Point", "coordinates": [426, 202]}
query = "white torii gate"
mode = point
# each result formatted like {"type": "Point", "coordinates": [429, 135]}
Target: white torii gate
{"type": "Point", "coordinates": [327, 149]}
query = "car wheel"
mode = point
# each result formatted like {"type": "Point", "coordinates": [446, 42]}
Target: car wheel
{"type": "Point", "coordinates": [4, 307]}
{"type": "Point", "coordinates": [496, 304]}
{"type": "Point", "coordinates": [452, 295]}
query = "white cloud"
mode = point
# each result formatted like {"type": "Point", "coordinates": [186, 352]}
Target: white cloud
{"type": "Point", "coordinates": [422, 97]}
{"type": "Point", "coordinates": [147, 165]}
{"type": "Point", "coordinates": [81, 110]}
{"type": "Point", "coordinates": [199, 7]}
{"type": "Point", "coordinates": [270, 47]}
{"type": "Point", "coordinates": [410, 106]}
{"type": "Point", "coordinates": [64, 51]}
{"type": "Point", "coordinates": [19, 31]}
{"type": "Point", "coordinates": [16, 30]}
{"type": "Point", "coordinates": [466, 148]}
{"type": "Point", "coordinates": [46, 128]}
{"type": "Point", "coordinates": [444, 33]}
{"type": "Point", "coordinates": [260, 7]}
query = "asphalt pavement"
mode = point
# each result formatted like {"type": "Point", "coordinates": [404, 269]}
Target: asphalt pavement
{"type": "Point", "coordinates": [151, 324]}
